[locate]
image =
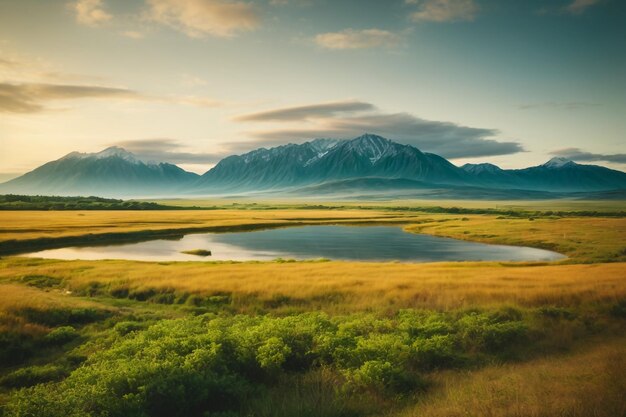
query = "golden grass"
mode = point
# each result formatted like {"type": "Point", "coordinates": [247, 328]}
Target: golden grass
{"type": "Point", "coordinates": [588, 383]}
{"type": "Point", "coordinates": [15, 298]}
{"type": "Point", "coordinates": [581, 238]}
{"type": "Point", "coordinates": [21, 225]}
{"type": "Point", "coordinates": [346, 286]}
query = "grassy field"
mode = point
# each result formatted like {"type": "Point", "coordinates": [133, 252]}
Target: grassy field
{"type": "Point", "coordinates": [316, 338]}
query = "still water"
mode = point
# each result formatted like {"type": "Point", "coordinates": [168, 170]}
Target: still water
{"type": "Point", "coordinates": [371, 243]}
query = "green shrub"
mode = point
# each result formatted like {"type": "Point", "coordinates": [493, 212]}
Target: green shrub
{"type": "Point", "coordinates": [125, 327]}
{"type": "Point", "coordinates": [435, 352]}
{"type": "Point", "coordinates": [273, 354]}
{"type": "Point", "coordinates": [61, 335]}
{"type": "Point", "coordinates": [33, 375]}
{"type": "Point", "coordinates": [63, 316]}
{"type": "Point", "coordinates": [208, 364]}
{"type": "Point", "coordinates": [382, 376]}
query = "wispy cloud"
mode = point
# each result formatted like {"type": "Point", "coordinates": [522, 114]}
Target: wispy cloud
{"type": "Point", "coordinates": [578, 154]}
{"type": "Point", "coordinates": [580, 6]}
{"type": "Point", "coordinates": [358, 39]}
{"type": "Point", "coordinates": [32, 97]}
{"type": "Point", "coordinates": [35, 97]}
{"type": "Point", "coordinates": [200, 18]}
{"type": "Point", "coordinates": [313, 111]}
{"type": "Point", "coordinates": [443, 10]}
{"type": "Point", "coordinates": [90, 12]}
{"type": "Point", "coordinates": [297, 124]}
{"type": "Point", "coordinates": [167, 150]}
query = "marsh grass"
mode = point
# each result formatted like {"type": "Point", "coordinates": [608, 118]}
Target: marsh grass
{"type": "Point", "coordinates": [333, 286]}
{"type": "Point", "coordinates": [443, 339]}
{"type": "Point", "coordinates": [587, 382]}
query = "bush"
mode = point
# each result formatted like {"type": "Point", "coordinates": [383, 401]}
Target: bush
{"type": "Point", "coordinates": [33, 375]}
{"type": "Point", "coordinates": [211, 364]}
{"type": "Point", "coordinates": [61, 335]}
{"type": "Point", "coordinates": [273, 354]}
{"type": "Point", "coordinates": [63, 316]}
{"type": "Point", "coordinates": [125, 327]}
{"type": "Point", "coordinates": [381, 376]}
{"type": "Point", "coordinates": [435, 352]}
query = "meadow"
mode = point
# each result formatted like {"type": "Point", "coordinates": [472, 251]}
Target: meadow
{"type": "Point", "coordinates": [314, 338]}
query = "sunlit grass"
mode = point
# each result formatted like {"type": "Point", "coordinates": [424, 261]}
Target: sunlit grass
{"type": "Point", "coordinates": [589, 382]}
{"type": "Point", "coordinates": [341, 286]}
{"type": "Point", "coordinates": [19, 303]}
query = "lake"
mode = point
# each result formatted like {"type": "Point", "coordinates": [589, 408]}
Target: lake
{"type": "Point", "coordinates": [363, 243]}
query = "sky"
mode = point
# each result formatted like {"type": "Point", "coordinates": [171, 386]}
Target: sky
{"type": "Point", "coordinates": [509, 82]}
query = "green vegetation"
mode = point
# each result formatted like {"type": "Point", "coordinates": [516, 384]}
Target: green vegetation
{"type": "Point", "coordinates": [227, 365]}
{"type": "Point", "coordinates": [39, 202]}
{"type": "Point", "coordinates": [197, 252]}
{"type": "Point", "coordinates": [528, 210]}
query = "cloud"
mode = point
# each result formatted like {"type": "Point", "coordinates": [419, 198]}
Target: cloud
{"type": "Point", "coordinates": [90, 12]}
{"type": "Point", "coordinates": [324, 121]}
{"type": "Point", "coordinates": [443, 10]}
{"type": "Point", "coordinates": [358, 39]}
{"type": "Point", "coordinates": [580, 6]}
{"type": "Point", "coordinates": [565, 105]}
{"type": "Point", "coordinates": [199, 18]}
{"type": "Point", "coordinates": [578, 154]}
{"type": "Point", "coordinates": [31, 97]}
{"type": "Point", "coordinates": [307, 112]}
{"type": "Point", "coordinates": [167, 150]}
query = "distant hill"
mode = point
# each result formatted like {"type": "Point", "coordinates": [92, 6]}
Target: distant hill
{"type": "Point", "coordinates": [368, 165]}
{"type": "Point", "coordinates": [385, 189]}
{"type": "Point", "coordinates": [113, 171]}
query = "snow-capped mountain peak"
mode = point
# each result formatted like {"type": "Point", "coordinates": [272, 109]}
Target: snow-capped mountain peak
{"type": "Point", "coordinates": [558, 162]}
{"type": "Point", "coordinates": [116, 151]}
{"type": "Point", "coordinates": [324, 145]}
{"type": "Point", "coordinates": [371, 146]}
{"type": "Point", "coordinates": [110, 152]}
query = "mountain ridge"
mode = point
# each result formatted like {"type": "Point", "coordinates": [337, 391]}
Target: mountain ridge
{"type": "Point", "coordinates": [115, 171]}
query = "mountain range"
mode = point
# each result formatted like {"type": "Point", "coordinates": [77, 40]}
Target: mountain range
{"type": "Point", "coordinates": [366, 165]}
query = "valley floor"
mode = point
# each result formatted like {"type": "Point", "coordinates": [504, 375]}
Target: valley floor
{"type": "Point", "coordinates": [314, 338]}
